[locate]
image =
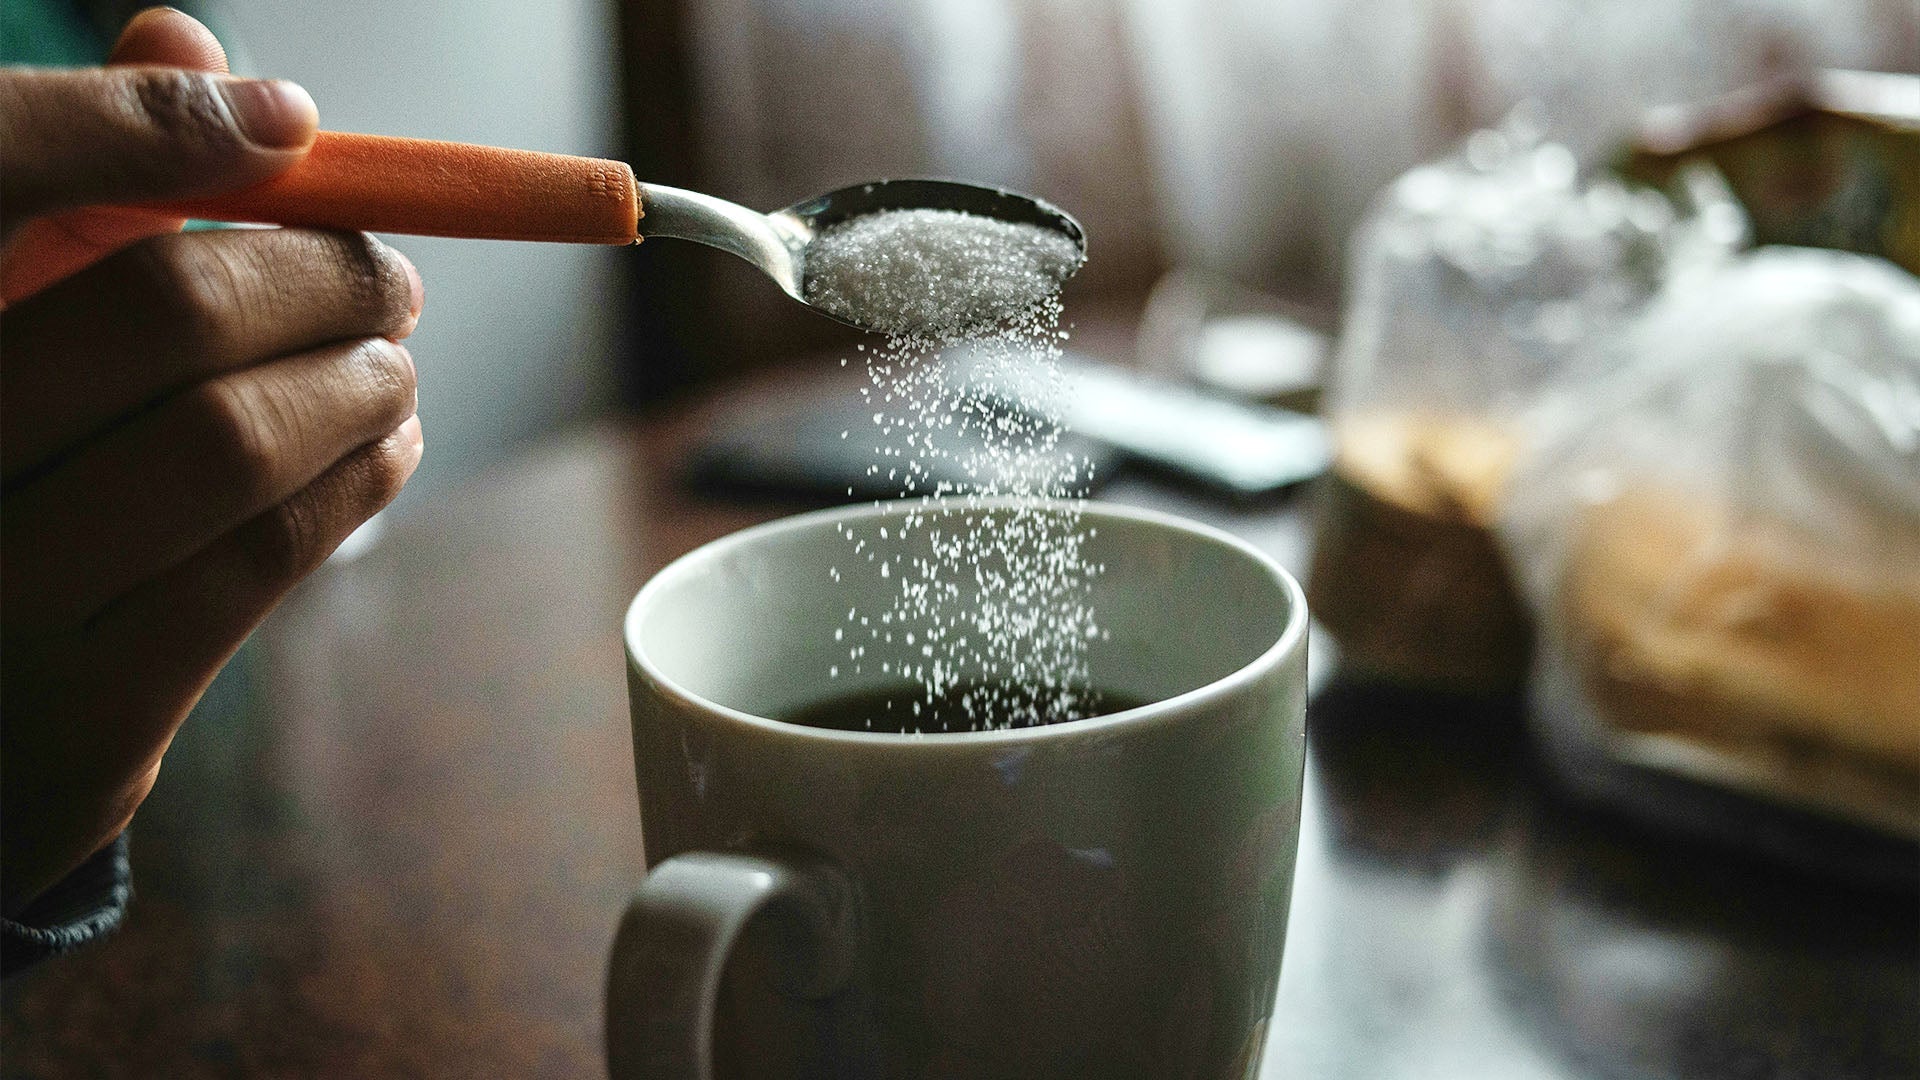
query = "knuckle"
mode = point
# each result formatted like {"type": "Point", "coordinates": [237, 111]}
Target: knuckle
{"type": "Point", "coordinates": [291, 539]}
{"type": "Point", "coordinates": [370, 274]}
{"type": "Point", "coordinates": [383, 472]}
{"type": "Point", "coordinates": [240, 447]}
{"type": "Point", "coordinates": [195, 287]}
{"type": "Point", "coordinates": [287, 541]}
{"type": "Point", "coordinates": [184, 107]}
{"type": "Point", "coordinates": [387, 379]}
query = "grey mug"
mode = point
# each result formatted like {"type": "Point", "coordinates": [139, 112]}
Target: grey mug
{"type": "Point", "coordinates": [1103, 898]}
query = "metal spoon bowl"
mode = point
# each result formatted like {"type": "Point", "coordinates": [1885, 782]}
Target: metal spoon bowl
{"type": "Point", "coordinates": [777, 242]}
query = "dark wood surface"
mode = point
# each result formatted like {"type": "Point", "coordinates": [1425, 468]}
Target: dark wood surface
{"type": "Point", "coordinates": [395, 839]}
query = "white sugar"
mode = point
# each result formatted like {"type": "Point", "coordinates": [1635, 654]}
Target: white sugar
{"type": "Point", "coordinates": [934, 271]}
{"type": "Point", "coordinates": [998, 597]}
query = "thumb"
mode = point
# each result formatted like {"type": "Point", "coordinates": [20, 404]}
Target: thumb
{"type": "Point", "coordinates": [169, 37]}
{"type": "Point", "coordinates": [49, 248]}
{"type": "Point", "coordinates": [134, 134]}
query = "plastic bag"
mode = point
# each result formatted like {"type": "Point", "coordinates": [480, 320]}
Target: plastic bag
{"type": "Point", "coordinates": [1475, 280]}
{"type": "Point", "coordinates": [1721, 541]}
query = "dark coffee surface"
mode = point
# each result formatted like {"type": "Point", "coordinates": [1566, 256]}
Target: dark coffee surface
{"type": "Point", "coordinates": [966, 706]}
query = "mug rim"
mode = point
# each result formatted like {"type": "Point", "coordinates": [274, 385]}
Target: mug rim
{"type": "Point", "coordinates": [1291, 637]}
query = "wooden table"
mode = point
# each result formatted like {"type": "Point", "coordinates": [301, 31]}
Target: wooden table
{"type": "Point", "coordinates": [396, 837]}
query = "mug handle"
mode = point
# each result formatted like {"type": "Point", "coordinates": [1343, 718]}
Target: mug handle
{"type": "Point", "coordinates": [663, 979]}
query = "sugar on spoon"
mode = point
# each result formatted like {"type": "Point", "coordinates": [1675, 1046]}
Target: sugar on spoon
{"type": "Point", "coordinates": [425, 187]}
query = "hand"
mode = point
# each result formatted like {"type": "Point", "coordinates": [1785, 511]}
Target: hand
{"type": "Point", "coordinates": [189, 423]}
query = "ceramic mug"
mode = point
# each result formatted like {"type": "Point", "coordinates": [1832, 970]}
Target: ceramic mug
{"type": "Point", "coordinates": [1104, 897]}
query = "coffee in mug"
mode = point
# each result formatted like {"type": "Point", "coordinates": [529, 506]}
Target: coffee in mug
{"type": "Point", "coordinates": [1097, 897]}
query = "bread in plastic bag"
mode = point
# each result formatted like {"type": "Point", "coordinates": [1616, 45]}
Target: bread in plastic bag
{"type": "Point", "coordinates": [1721, 541]}
{"type": "Point", "coordinates": [1474, 280]}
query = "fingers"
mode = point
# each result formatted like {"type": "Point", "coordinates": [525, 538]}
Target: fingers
{"type": "Point", "coordinates": [187, 307]}
{"type": "Point", "coordinates": [108, 699]}
{"type": "Point", "coordinates": [130, 134]}
{"type": "Point", "coordinates": [167, 637]}
{"type": "Point", "coordinates": [153, 491]}
{"type": "Point", "coordinates": [50, 248]}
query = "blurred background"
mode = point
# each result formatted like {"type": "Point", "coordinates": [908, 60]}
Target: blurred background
{"type": "Point", "coordinates": [1243, 137]}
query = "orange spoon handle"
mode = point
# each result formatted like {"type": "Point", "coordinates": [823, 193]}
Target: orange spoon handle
{"type": "Point", "coordinates": [429, 188]}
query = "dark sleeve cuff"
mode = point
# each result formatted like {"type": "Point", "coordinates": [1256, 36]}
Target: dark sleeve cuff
{"type": "Point", "coordinates": [87, 904]}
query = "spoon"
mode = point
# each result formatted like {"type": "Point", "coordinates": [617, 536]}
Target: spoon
{"type": "Point", "coordinates": [423, 187]}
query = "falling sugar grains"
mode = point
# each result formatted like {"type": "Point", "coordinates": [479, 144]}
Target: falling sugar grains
{"type": "Point", "coordinates": [989, 611]}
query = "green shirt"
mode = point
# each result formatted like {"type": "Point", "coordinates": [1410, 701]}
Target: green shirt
{"type": "Point", "coordinates": [48, 33]}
